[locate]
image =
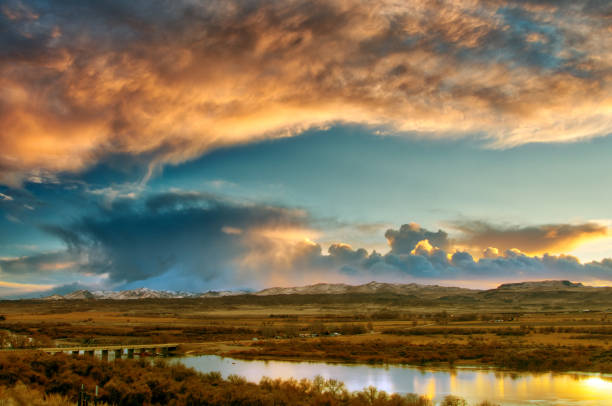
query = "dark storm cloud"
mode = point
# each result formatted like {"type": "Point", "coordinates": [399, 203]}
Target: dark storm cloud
{"type": "Point", "coordinates": [166, 81]}
{"type": "Point", "coordinates": [191, 232]}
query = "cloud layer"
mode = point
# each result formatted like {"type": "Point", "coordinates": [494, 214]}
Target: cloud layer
{"type": "Point", "coordinates": [166, 81]}
{"type": "Point", "coordinates": [196, 241]}
{"type": "Point", "coordinates": [551, 238]}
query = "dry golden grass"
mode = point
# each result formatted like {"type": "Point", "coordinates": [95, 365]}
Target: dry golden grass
{"type": "Point", "coordinates": [20, 395]}
{"type": "Point", "coordinates": [228, 327]}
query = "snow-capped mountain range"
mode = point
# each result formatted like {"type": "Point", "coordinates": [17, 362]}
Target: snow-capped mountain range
{"type": "Point", "coordinates": [327, 289]}
{"type": "Point", "coordinates": [140, 293]}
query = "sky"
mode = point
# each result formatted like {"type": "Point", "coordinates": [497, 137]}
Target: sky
{"type": "Point", "coordinates": [213, 145]}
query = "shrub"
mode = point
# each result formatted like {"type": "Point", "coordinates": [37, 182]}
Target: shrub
{"type": "Point", "coordinates": [22, 395]}
{"type": "Point", "coordinates": [451, 400]}
{"type": "Point", "coordinates": [58, 378]}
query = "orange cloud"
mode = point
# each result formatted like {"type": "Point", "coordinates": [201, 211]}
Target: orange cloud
{"type": "Point", "coordinates": [278, 247]}
{"type": "Point", "coordinates": [174, 84]}
{"type": "Point", "coordinates": [56, 266]}
{"type": "Point", "coordinates": [15, 288]}
{"type": "Point", "coordinates": [480, 236]}
{"type": "Point", "coordinates": [422, 247]}
{"type": "Point", "coordinates": [5, 284]}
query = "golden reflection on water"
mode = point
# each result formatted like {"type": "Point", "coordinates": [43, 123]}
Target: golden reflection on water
{"type": "Point", "coordinates": [453, 382]}
{"type": "Point", "coordinates": [560, 387]}
{"type": "Point", "coordinates": [500, 387]}
{"type": "Point", "coordinates": [431, 389]}
{"type": "Point", "coordinates": [515, 388]}
{"type": "Point", "coordinates": [597, 386]}
{"type": "Point", "coordinates": [474, 385]}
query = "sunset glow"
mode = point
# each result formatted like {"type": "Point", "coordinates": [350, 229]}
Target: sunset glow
{"type": "Point", "coordinates": [228, 144]}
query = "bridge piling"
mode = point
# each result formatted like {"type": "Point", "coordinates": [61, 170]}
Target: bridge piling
{"type": "Point", "coordinates": [118, 350]}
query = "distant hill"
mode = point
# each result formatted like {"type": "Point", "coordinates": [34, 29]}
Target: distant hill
{"type": "Point", "coordinates": [368, 288]}
{"type": "Point", "coordinates": [540, 285]}
{"type": "Point", "coordinates": [140, 293]}
{"type": "Point", "coordinates": [413, 289]}
{"type": "Point", "coordinates": [521, 296]}
{"type": "Point", "coordinates": [78, 294]}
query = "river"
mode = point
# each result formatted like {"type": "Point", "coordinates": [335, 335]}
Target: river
{"type": "Point", "coordinates": [472, 384]}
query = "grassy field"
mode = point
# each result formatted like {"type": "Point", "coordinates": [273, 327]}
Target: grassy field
{"type": "Point", "coordinates": [369, 329]}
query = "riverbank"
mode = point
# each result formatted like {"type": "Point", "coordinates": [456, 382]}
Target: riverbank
{"type": "Point", "coordinates": [140, 382]}
{"type": "Point", "coordinates": [509, 354]}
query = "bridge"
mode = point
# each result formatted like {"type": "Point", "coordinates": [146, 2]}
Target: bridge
{"type": "Point", "coordinates": [117, 350]}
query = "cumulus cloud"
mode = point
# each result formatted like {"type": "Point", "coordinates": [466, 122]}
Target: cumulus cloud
{"type": "Point", "coordinates": [425, 261]}
{"type": "Point", "coordinates": [405, 240]}
{"type": "Point", "coordinates": [551, 238]}
{"type": "Point", "coordinates": [409, 259]}
{"type": "Point", "coordinates": [192, 241]}
{"type": "Point", "coordinates": [80, 81]}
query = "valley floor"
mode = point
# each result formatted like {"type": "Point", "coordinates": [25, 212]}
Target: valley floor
{"type": "Point", "coordinates": [368, 329]}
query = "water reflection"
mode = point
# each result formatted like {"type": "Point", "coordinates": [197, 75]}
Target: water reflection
{"type": "Point", "coordinates": [473, 385]}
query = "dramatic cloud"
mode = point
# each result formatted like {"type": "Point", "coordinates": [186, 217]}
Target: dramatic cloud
{"type": "Point", "coordinates": [179, 235]}
{"type": "Point", "coordinates": [12, 289]}
{"type": "Point", "coordinates": [35, 264]}
{"type": "Point", "coordinates": [166, 81]}
{"type": "Point", "coordinates": [551, 238]}
{"type": "Point", "coordinates": [38, 274]}
{"type": "Point", "coordinates": [26, 291]}
{"type": "Point", "coordinates": [423, 260]}
{"type": "Point", "coordinates": [404, 240]}
{"type": "Point", "coordinates": [195, 241]}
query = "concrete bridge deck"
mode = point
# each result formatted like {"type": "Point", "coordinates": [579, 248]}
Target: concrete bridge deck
{"type": "Point", "coordinates": [166, 347]}
{"type": "Point", "coordinates": [118, 351]}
